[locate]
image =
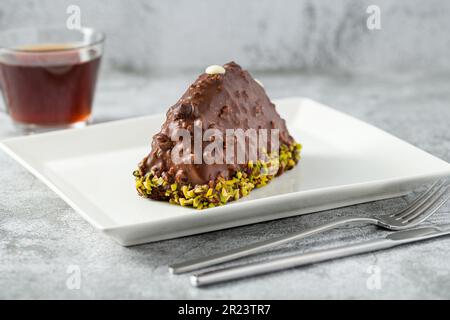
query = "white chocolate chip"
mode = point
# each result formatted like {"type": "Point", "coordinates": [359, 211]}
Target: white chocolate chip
{"type": "Point", "coordinates": [215, 69]}
{"type": "Point", "coordinates": [259, 82]}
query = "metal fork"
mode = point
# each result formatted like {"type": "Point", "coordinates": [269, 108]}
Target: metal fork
{"type": "Point", "coordinates": [419, 210]}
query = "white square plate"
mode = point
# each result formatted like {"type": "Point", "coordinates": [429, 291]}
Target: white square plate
{"type": "Point", "coordinates": [344, 161]}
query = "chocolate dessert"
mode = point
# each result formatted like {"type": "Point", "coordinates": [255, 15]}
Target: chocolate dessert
{"type": "Point", "coordinates": [221, 100]}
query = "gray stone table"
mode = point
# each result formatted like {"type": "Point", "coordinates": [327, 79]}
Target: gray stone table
{"type": "Point", "coordinates": [41, 237]}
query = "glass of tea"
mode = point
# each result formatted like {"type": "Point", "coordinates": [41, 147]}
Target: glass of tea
{"type": "Point", "coordinates": [48, 76]}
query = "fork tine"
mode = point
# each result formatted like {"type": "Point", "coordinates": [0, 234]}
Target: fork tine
{"type": "Point", "coordinates": [431, 198]}
{"type": "Point", "coordinates": [419, 200]}
{"type": "Point", "coordinates": [421, 218]}
{"type": "Point", "coordinates": [424, 211]}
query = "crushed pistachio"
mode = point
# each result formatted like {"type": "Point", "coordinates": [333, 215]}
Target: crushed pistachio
{"type": "Point", "coordinates": [258, 174]}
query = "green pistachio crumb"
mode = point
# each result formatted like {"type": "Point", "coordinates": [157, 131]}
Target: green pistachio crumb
{"type": "Point", "coordinates": [222, 191]}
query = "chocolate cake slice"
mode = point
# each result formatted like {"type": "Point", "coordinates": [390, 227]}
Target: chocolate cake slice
{"type": "Point", "coordinates": [222, 100]}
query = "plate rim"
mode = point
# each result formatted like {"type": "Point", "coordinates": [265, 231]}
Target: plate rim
{"type": "Point", "coordinates": [5, 146]}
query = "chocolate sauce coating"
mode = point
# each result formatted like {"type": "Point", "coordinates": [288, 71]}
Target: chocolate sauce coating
{"type": "Point", "coordinates": [233, 100]}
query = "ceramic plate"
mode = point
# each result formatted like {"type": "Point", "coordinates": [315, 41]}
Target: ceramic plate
{"type": "Point", "coordinates": [344, 161]}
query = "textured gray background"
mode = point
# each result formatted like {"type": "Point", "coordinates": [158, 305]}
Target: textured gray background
{"type": "Point", "coordinates": [152, 35]}
{"type": "Point", "coordinates": [396, 78]}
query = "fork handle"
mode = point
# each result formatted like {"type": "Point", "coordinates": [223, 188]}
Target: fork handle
{"type": "Point", "coordinates": [258, 268]}
{"type": "Point", "coordinates": [230, 255]}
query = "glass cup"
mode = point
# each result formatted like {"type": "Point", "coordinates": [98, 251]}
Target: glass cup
{"type": "Point", "coordinates": [48, 76]}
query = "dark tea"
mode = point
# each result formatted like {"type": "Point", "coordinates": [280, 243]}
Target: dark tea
{"type": "Point", "coordinates": [49, 85]}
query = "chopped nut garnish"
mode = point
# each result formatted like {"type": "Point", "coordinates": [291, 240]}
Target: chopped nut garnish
{"type": "Point", "coordinates": [222, 191]}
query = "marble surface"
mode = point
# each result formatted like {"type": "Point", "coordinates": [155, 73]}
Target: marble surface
{"type": "Point", "coordinates": [44, 243]}
{"type": "Point", "coordinates": [153, 36]}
